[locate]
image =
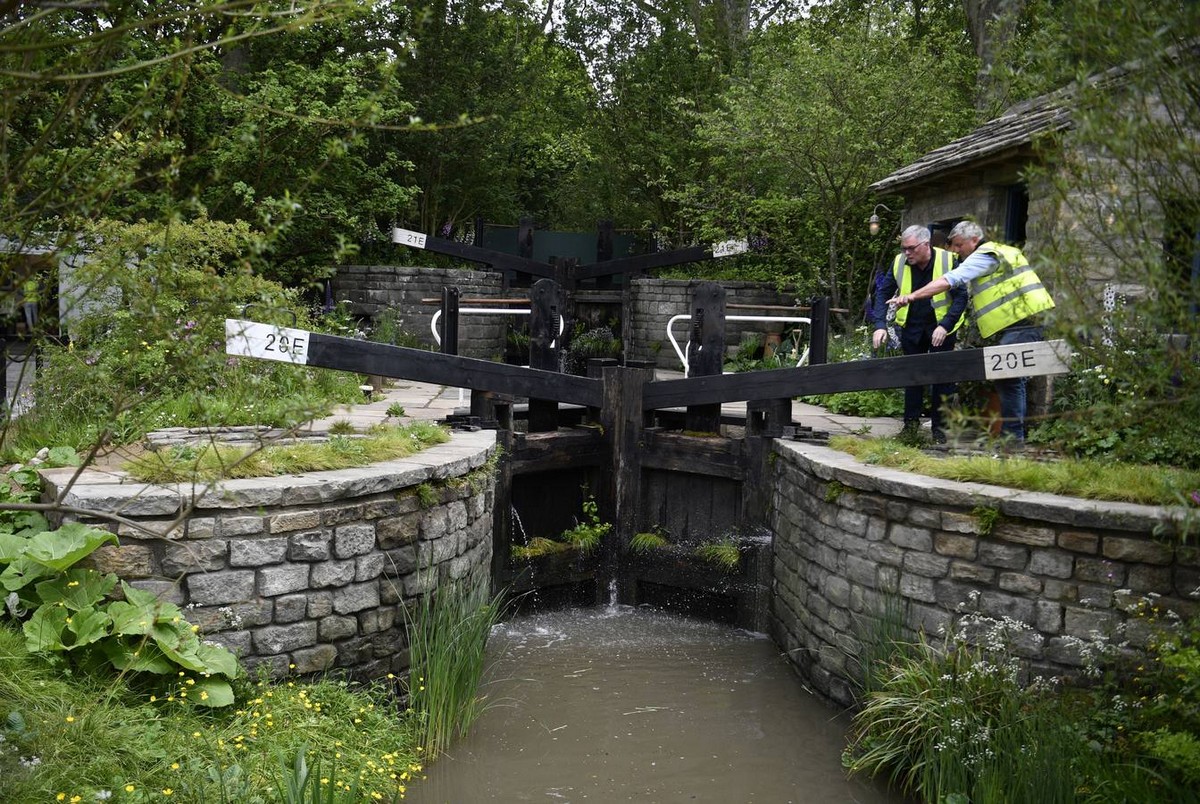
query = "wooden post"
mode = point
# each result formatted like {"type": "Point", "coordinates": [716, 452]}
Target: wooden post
{"type": "Point", "coordinates": [818, 349]}
{"type": "Point", "coordinates": [502, 535]}
{"type": "Point", "coordinates": [450, 297]}
{"type": "Point", "coordinates": [706, 355]}
{"type": "Point", "coordinates": [547, 303]}
{"type": "Point", "coordinates": [624, 421]}
{"type": "Point", "coordinates": [595, 371]}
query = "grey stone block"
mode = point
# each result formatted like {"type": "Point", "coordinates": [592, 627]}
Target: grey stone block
{"type": "Point", "coordinates": [218, 588]}
{"type": "Point", "coordinates": [274, 581]}
{"type": "Point", "coordinates": [357, 597]}
{"type": "Point", "coordinates": [353, 540]}
{"type": "Point", "coordinates": [311, 545]}
{"type": "Point", "coordinates": [194, 556]}
{"type": "Point", "coordinates": [283, 638]}
{"type": "Point", "coordinates": [332, 573]}
{"type": "Point", "coordinates": [257, 552]}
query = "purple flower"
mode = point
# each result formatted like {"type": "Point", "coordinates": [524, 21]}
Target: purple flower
{"type": "Point", "coordinates": [1195, 495]}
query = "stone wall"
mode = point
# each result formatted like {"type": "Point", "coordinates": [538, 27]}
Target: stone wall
{"type": "Point", "coordinates": [652, 303]}
{"type": "Point", "coordinates": [847, 536]}
{"type": "Point", "coordinates": [308, 571]}
{"type": "Point", "coordinates": [371, 289]}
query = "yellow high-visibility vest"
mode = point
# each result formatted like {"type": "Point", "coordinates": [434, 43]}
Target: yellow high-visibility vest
{"type": "Point", "coordinates": [1009, 294]}
{"type": "Point", "coordinates": [943, 261]}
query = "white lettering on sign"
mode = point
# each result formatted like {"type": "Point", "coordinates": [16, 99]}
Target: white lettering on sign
{"type": "Point", "coordinates": [266, 341]}
{"type": "Point", "coordinates": [1025, 360]}
{"type": "Point", "coordinates": [407, 237]}
{"type": "Point", "coordinates": [728, 248]}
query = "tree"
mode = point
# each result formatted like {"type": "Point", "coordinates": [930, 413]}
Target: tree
{"type": "Point", "coordinates": [807, 128]}
{"type": "Point", "coordinates": [1124, 248]}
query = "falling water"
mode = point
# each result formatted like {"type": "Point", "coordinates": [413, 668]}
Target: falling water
{"type": "Point", "coordinates": [520, 527]}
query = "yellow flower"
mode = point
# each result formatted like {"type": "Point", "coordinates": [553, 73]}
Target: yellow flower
{"type": "Point", "coordinates": [129, 788]}
{"type": "Point", "coordinates": [167, 791]}
{"type": "Point", "coordinates": [61, 797]}
{"type": "Point", "coordinates": [76, 799]}
{"type": "Point", "coordinates": [70, 719]}
{"type": "Point", "coordinates": [174, 766]}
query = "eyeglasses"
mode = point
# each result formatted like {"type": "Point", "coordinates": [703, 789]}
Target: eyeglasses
{"type": "Point", "coordinates": [912, 248]}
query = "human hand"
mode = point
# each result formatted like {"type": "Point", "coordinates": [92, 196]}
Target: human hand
{"type": "Point", "coordinates": [879, 338]}
{"type": "Point", "coordinates": [900, 300]}
{"type": "Point", "coordinates": [939, 336]}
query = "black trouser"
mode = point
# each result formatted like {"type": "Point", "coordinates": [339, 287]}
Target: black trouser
{"type": "Point", "coordinates": [918, 341]}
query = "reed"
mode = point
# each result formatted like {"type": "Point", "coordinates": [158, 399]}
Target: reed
{"type": "Point", "coordinates": [448, 636]}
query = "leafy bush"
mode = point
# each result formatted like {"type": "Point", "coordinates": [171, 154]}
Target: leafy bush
{"type": "Point", "coordinates": [69, 616]}
{"type": "Point", "coordinates": [147, 350]}
{"type": "Point", "coordinates": [1108, 410]}
{"type": "Point", "coordinates": [599, 342]}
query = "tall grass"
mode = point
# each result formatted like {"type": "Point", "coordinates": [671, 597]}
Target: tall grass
{"type": "Point", "coordinates": [883, 635]}
{"type": "Point", "coordinates": [956, 726]}
{"type": "Point", "coordinates": [448, 636]}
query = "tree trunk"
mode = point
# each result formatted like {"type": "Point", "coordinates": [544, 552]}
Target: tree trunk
{"type": "Point", "coordinates": [992, 25]}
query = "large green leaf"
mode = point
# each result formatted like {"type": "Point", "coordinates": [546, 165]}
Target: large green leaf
{"type": "Point", "coordinates": [179, 644]}
{"type": "Point", "coordinates": [59, 549]}
{"type": "Point", "coordinates": [137, 655]}
{"type": "Point", "coordinates": [162, 611]}
{"type": "Point", "coordinates": [11, 546]}
{"type": "Point", "coordinates": [131, 619]}
{"type": "Point", "coordinates": [78, 588]}
{"type": "Point", "coordinates": [44, 631]}
{"type": "Point", "coordinates": [88, 626]}
{"type": "Point", "coordinates": [218, 660]}
{"type": "Point", "coordinates": [23, 572]}
{"type": "Point", "coordinates": [214, 692]}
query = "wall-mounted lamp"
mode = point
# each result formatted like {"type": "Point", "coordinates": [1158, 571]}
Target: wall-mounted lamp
{"type": "Point", "coordinates": [873, 221]}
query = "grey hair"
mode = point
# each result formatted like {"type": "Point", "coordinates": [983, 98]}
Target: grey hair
{"type": "Point", "coordinates": [921, 233]}
{"type": "Point", "coordinates": [968, 229]}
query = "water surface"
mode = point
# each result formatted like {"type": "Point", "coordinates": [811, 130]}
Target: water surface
{"type": "Point", "coordinates": [621, 704]}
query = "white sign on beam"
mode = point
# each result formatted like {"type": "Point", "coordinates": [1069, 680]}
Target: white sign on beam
{"type": "Point", "coordinates": [1025, 360]}
{"type": "Point", "coordinates": [728, 248]}
{"type": "Point", "coordinates": [266, 341]}
{"type": "Point", "coordinates": [407, 237]}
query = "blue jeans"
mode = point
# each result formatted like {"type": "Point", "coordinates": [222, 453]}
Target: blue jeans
{"type": "Point", "coordinates": [1012, 392]}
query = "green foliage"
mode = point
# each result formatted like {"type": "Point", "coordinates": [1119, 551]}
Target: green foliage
{"type": "Point", "coordinates": [447, 640]}
{"type": "Point", "coordinates": [81, 735]}
{"type": "Point", "coordinates": [68, 615]}
{"type": "Point", "coordinates": [536, 547]}
{"type": "Point", "coordinates": [427, 495]}
{"type": "Point", "coordinates": [586, 535]}
{"type": "Point", "coordinates": [1120, 256]}
{"type": "Point", "coordinates": [147, 343]}
{"type": "Point", "coordinates": [987, 516]}
{"type": "Point", "coordinates": [648, 540]}
{"type": "Point", "coordinates": [800, 133]}
{"type": "Point", "coordinates": [724, 553]}
{"type": "Point", "coordinates": [1100, 480]}
{"type": "Point", "coordinates": [955, 723]}
{"type": "Point", "coordinates": [214, 461]}
{"type": "Point", "coordinates": [598, 342]}
{"type": "Point", "coordinates": [750, 356]}
{"type": "Point", "coordinates": [396, 410]}
{"type": "Point", "coordinates": [834, 491]}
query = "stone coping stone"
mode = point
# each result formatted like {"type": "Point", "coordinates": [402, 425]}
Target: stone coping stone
{"type": "Point", "coordinates": [830, 464]}
{"type": "Point", "coordinates": [115, 492]}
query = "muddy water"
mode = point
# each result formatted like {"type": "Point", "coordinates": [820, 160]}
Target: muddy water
{"type": "Point", "coordinates": [621, 704]}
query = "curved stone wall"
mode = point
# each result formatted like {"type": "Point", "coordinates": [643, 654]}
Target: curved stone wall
{"type": "Point", "coordinates": [302, 573]}
{"type": "Point", "coordinates": [848, 535]}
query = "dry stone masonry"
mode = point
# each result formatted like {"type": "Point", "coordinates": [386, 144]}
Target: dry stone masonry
{"type": "Point", "coordinates": [310, 572]}
{"type": "Point", "coordinates": [848, 535]}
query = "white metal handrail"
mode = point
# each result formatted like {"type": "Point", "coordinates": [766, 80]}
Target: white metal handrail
{"type": "Point", "coordinates": [433, 327]}
{"type": "Point", "coordinates": [683, 353]}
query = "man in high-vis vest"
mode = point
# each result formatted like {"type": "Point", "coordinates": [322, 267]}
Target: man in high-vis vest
{"type": "Point", "coordinates": [930, 325]}
{"type": "Point", "coordinates": [1007, 301]}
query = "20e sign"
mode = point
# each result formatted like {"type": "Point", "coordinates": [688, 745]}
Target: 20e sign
{"type": "Point", "coordinates": [285, 345]}
{"type": "Point", "coordinates": [1011, 361]}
